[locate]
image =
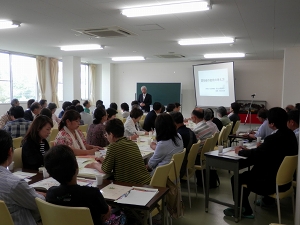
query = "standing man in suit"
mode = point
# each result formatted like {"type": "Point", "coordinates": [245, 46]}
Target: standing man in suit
{"type": "Point", "coordinates": [145, 99]}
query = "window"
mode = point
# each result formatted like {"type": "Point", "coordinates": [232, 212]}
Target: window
{"type": "Point", "coordinates": [84, 82]}
{"type": "Point", "coordinates": [60, 94]}
{"type": "Point", "coordinates": [18, 77]}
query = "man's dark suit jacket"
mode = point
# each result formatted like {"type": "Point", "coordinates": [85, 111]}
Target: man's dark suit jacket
{"type": "Point", "coordinates": [147, 101]}
{"type": "Point", "coordinates": [267, 159]}
{"type": "Point", "coordinates": [149, 122]}
{"type": "Point", "coordinates": [28, 115]}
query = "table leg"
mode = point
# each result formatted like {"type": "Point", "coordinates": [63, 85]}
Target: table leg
{"type": "Point", "coordinates": [207, 187]}
{"type": "Point", "coordinates": [163, 211]}
{"type": "Point", "coordinates": [236, 193]}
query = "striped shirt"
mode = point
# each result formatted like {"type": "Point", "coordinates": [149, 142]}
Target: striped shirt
{"type": "Point", "coordinates": [124, 158]}
{"type": "Point", "coordinates": [202, 132]}
{"type": "Point", "coordinates": [42, 148]}
{"type": "Point", "coordinates": [19, 198]}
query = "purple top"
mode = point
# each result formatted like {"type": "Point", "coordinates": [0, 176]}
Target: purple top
{"type": "Point", "coordinates": [96, 135]}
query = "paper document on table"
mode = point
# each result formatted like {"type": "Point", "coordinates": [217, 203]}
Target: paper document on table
{"type": "Point", "coordinates": [88, 172]}
{"type": "Point", "coordinates": [138, 196]}
{"type": "Point", "coordinates": [23, 175]}
{"type": "Point", "coordinates": [45, 184]}
{"type": "Point", "coordinates": [114, 191]}
{"type": "Point", "coordinates": [233, 154]}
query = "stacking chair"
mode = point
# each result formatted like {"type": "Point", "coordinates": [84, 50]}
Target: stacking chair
{"type": "Point", "coordinates": [51, 144]}
{"type": "Point", "coordinates": [214, 141]}
{"type": "Point", "coordinates": [190, 168]}
{"type": "Point", "coordinates": [17, 142]}
{"type": "Point", "coordinates": [124, 120]}
{"type": "Point", "coordinates": [53, 134]}
{"type": "Point", "coordinates": [284, 176]}
{"type": "Point", "coordinates": [236, 127]}
{"type": "Point", "coordinates": [54, 214]}
{"type": "Point", "coordinates": [83, 128]}
{"type": "Point", "coordinates": [206, 148]}
{"type": "Point", "coordinates": [221, 137]}
{"type": "Point", "coordinates": [17, 158]}
{"type": "Point", "coordinates": [226, 134]}
{"type": "Point", "coordinates": [5, 215]}
{"type": "Point", "coordinates": [141, 122]}
{"type": "Point", "coordinates": [178, 159]}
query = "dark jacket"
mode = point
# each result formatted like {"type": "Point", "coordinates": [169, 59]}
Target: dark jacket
{"type": "Point", "coordinates": [218, 123]}
{"type": "Point", "coordinates": [147, 101]}
{"type": "Point", "coordinates": [28, 115]}
{"type": "Point", "coordinates": [149, 122]}
{"type": "Point", "coordinates": [267, 159]}
{"type": "Point", "coordinates": [31, 156]}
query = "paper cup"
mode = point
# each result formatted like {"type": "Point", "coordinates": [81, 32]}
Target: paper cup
{"type": "Point", "coordinates": [97, 154]}
{"type": "Point", "coordinates": [138, 140]}
{"type": "Point", "coordinates": [99, 179]}
{"type": "Point", "coordinates": [241, 143]}
{"type": "Point", "coordinates": [220, 148]}
{"type": "Point", "coordinates": [11, 166]}
{"type": "Point", "coordinates": [258, 139]}
{"type": "Point", "coordinates": [45, 173]}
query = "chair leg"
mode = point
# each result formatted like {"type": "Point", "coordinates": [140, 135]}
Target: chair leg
{"type": "Point", "coordinates": [195, 185]}
{"type": "Point", "coordinates": [188, 183]}
{"type": "Point", "coordinates": [241, 202]}
{"type": "Point", "coordinates": [278, 208]}
{"type": "Point", "coordinates": [203, 182]}
{"type": "Point", "coordinates": [150, 218]}
{"type": "Point", "coordinates": [255, 200]}
{"type": "Point", "coordinates": [293, 202]}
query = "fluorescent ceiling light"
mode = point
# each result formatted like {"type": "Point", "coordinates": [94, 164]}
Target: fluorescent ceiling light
{"type": "Point", "coordinates": [224, 55]}
{"type": "Point", "coordinates": [130, 58]}
{"type": "Point", "coordinates": [80, 47]}
{"type": "Point", "coordinates": [179, 7]}
{"type": "Point", "coordinates": [5, 24]}
{"type": "Point", "coordinates": [205, 41]}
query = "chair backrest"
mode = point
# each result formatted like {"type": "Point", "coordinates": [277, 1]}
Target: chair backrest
{"type": "Point", "coordinates": [5, 218]}
{"type": "Point", "coordinates": [221, 135]}
{"type": "Point", "coordinates": [178, 159]}
{"type": "Point", "coordinates": [53, 134]}
{"type": "Point", "coordinates": [17, 158]}
{"type": "Point", "coordinates": [55, 214]}
{"type": "Point", "coordinates": [160, 175]}
{"type": "Point", "coordinates": [17, 142]}
{"type": "Point", "coordinates": [51, 144]}
{"type": "Point", "coordinates": [236, 126]}
{"type": "Point", "coordinates": [83, 128]}
{"type": "Point", "coordinates": [227, 132]}
{"type": "Point", "coordinates": [206, 148]}
{"type": "Point", "coordinates": [141, 122]}
{"type": "Point", "coordinates": [192, 155]}
{"type": "Point", "coordinates": [215, 140]}
{"type": "Point", "coordinates": [286, 170]}
{"type": "Point", "coordinates": [124, 120]}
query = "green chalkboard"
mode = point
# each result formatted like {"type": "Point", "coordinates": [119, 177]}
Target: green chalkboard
{"type": "Point", "coordinates": [164, 93]}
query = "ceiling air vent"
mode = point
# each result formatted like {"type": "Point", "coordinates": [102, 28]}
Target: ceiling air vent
{"type": "Point", "coordinates": [171, 56]}
{"type": "Point", "coordinates": [106, 32]}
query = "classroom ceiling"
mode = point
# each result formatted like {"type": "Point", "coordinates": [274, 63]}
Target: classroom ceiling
{"type": "Point", "coordinates": [263, 29]}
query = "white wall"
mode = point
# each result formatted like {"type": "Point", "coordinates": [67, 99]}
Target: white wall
{"type": "Point", "coordinates": [261, 77]}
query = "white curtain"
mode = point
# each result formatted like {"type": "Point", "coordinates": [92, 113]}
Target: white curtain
{"type": "Point", "coordinates": [92, 73]}
{"type": "Point", "coordinates": [41, 71]}
{"type": "Point", "coordinates": [54, 79]}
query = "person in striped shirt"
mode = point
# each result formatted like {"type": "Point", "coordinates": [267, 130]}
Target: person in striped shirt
{"type": "Point", "coordinates": [34, 144]}
{"type": "Point", "coordinates": [123, 157]}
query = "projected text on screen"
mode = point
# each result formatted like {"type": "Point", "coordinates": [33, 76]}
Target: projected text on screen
{"type": "Point", "coordinates": [213, 82]}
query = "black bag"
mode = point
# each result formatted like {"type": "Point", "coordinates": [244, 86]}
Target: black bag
{"type": "Point", "coordinates": [214, 180]}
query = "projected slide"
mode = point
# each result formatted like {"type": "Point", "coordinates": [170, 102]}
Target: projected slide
{"type": "Point", "coordinates": [213, 82]}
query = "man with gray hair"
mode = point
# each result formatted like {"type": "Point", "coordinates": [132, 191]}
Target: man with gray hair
{"type": "Point", "coordinates": [207, 118]}
{"type": "Point", "coordinates": [145, 99]}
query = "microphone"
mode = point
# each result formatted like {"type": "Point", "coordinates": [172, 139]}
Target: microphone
{"type": "Point", "coordinates": [253, 95]}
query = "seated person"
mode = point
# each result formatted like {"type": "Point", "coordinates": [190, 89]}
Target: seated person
{"type": "Point", "coordinates": [201, 130]}
{"type": "Point", "coordinates": [135, 104]}
{"type": "Point", "coordinates": [87, 106]}
{"type": "Point", "coordinates": [29, 103]}
{"type": "Point", "coordinates": [5, 118]}
{"type": "Point", "coordinates": [114, 106]}
{"type": "Point", "coordinates": [52, 106]}
{"type": "Point", "coordinates": [125, 109]}
{"type": "Point", "coordinates": [86, 118]}
{"type": "Point", "coordinates": [170, 107]}
{"type": "Point", "coordinates": [123, 157]}
{"type": "Point", "coordinates": [18, 196]}
{"type": "Point", "coordinates": [75, 102]}
{"type": "Point", "coordinates": [111, 113]}
{"type": "Point", "coordinates": [18, 126]}
{"type": "Point", "coordinates": [132, 124]}
{"type": "Point", "coordinates": [168, 143]}
{"type": "Point", "coordinates": [70, 135]}
{"type": "Point", "coordinates": [34, 144]}
{"type": "Point", "coordinates": [15, 102]}
{"type": "Point", "coordinates": [222, 115]}
{"type": "Point", "coordinates": [216, 120]}
{"type": "Point", "coordinates": [177, 107]}
{"type": "Point", "coordinates": [267, 158]}
{"type": "Point", "coordinates": [289, 108]}
{"type": "Point", "coordinates": [149, 123]}
{"type": "Point", "coordinates": [34, 110]}
{"type": "Point", "coordinates": [96, 132]}
{"type": "Point", "coordinates": [65, 105]}
{"type": "Point", "coordinates": [207, 118]}
{"type": "Point", "coordinates": [61, 164]}
{"type": "Point", "coordinates": [46, 112]}
{"type": "Point", "coordinates": [264, 130]}
{"type": "Point", "coordinates": [234, 116]}
{"type": "Point", "coordinates": [293, 122]}
{"type": "Point", "coordinates": [188, 138]}
{"type": "Point", "coordinates": [43, 103]}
